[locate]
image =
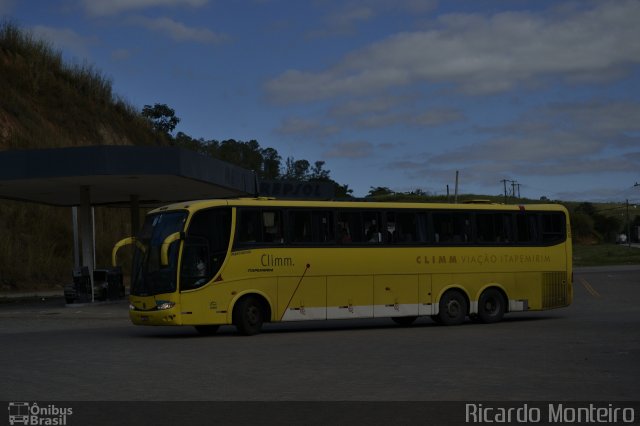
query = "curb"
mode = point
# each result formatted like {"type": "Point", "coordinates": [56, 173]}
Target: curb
{"type": "Point", "coordinates": [31, 294]}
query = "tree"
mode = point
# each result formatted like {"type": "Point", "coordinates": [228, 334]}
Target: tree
{"type": "Point", "coordinates": [185, 141]}
{"type": "Point", "coordinates": [270, 164]}
{"type": "Point", "coordinates": [342, 191]}
{"type": "Point", "coordinates": [586, 208]}
{"type": "Point", "coordinates": [162, 118]}
{"type": "Point", "coordinates": [318, 173]}
{"type": "Point", "coordinates": [607, 226]}
{"type": "Point", "coordinates": [379, 191]}
{"type": "Point", "coordinates": [582, 226]}
{"type": "Point", "coordinates": [243, 154]}
{"type": "Point", "coordinates": [586, 220]}
{"type": "Point", "coordinates": [297, 170]}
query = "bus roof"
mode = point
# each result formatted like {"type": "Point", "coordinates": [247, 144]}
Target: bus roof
{"type": "Point", "coordinates": [271, 202]}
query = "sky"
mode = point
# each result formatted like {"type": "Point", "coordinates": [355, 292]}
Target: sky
{"type": "Point", "coordinates": [395, 94]}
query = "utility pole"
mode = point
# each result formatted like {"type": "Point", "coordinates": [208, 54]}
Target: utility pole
{"type": "Point", "coordinates": [456, 196]}
{"type": "Point", "coordinates": [629, 219]}
{"type": "Point", "coordinates": [628, 225]}
{"type": "Point", "coordinates": [504, 182]}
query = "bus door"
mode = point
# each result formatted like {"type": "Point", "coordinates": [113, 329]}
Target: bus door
{"type": "Point", "coordinates": [204, 251]}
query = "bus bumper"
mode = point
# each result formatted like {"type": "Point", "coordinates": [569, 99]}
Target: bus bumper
{"type": "Point", "coordinates": [149, 311]}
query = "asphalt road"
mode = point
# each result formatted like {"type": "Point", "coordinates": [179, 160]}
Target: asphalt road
{"type": "Point", "coordinates": [587, 352]}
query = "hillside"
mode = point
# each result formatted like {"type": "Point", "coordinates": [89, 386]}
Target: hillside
{"type": "Point", "coordinates": [47, 103]}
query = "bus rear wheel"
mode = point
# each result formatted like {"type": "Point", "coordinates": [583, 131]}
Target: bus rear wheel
{"type": "Point", "coordinates": [491, 306]}
{"type": "Point", "coordinates": [404, 321]}
{"type": "Point", "coordinates": [248, 316]}
{"type": "Point", "coordinates": [453, 308]}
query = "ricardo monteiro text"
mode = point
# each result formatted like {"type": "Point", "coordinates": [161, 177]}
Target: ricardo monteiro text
{"type": "Point", "coordinates": [551, 413]}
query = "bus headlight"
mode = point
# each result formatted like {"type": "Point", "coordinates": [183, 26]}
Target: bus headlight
{"type": "Point", "coordinates": [162, 305]}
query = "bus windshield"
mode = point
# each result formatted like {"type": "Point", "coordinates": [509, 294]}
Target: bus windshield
{"type": "Point", "coordinates": [149, 276]}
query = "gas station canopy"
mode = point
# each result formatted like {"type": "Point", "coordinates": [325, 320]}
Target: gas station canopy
{"type": "Point", "coordinates": [117, 175]}
{"type": "Point", "coordinates": [83, 177]}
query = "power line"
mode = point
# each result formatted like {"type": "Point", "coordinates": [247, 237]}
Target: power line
{"type": "Point", "coordinates": [514, 191]}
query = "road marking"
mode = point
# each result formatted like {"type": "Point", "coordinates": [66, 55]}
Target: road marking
{"type": "Point", "coordinates": [589, 288]}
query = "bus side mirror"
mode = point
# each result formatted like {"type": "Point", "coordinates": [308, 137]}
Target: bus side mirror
{"type": "Point", "coordinates": [164, 249]}
{"type": "Point", "coordinates": [117, 246]}
{"type": "Point", "coordinates": [122, 243]}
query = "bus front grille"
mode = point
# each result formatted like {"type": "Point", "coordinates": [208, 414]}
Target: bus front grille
{"type": "Point", "coordinates": [554, 289]}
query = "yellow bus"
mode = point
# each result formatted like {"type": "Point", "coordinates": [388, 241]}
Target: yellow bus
{"type": "Point", "coordinates": [250, 261]}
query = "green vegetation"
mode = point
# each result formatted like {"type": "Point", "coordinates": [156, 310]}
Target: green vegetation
{"type": "Point", "coordinates": [266, 162]}
{"type": "Point", "coordinates": [605, 254]}
{"type": "Point", "coordinates": [36, 248]}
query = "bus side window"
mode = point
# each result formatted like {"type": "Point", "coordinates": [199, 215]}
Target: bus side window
{"type": "Point", "coordinates": [527, 228]}
{"type": "Point", "coordinates": [372, 231]}
{"type": "Point", "coordinates": [402, 228]}
{"type": "Point", "coordinates": [392, 228]}
{"type": "Point", "coordinates": [248, 229]}
{"type": "Point", "coordinates": [452, 227]}
{"type": "Point", "coordinates": [301, 227]}
{"type": "Point", "coordinates": [553, 225]}
{"type": "Point", "coordinates": [311, 226]}
{"type": "Point", "coordinates": [272, 226]}
{"type": "Point", "coordinates": [259, 226]}
{"type": "Point", "coordinates": [350, 228]}
{"type": "Point", "coordinates": [322, 226]}
{"type": "Point", "coordinates": [493, 228]}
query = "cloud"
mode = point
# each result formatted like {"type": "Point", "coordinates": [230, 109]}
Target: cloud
{"type": "Point", "coordinates": [567, 139]}
{"type": "Point", "coordinates": [121, 54]}
{"type": "Point", "coordinates": [479, 54]}
{"type": "Point", "coordinates": [114, 7]}
{"type": "Point", "coordinates": [344, 21]}
{"type": "Point", "coordinates": [348, 15]}
{"type": "Point", "coordinates": [351, 150]}
{"type": "Point", "coordinates": [390, 110]}
{"type": "Point", "coordinates": [355, 107]}
{"type": "Point", "coordinates": [430, 118]}
{"type": "Point", "coordinates": [64, 38]}
{"type": "Point", "coordinates": [305, 127]}
{"type": "Point", "coordinates": [179, 31]}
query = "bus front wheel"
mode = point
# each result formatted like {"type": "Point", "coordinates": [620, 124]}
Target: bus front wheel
{"type": "Point", "coordinates": [491, 306]}
{"type": "Point", "coordinates": [248, 316]}
{"type": "Point", "coordinates": [453, 308]}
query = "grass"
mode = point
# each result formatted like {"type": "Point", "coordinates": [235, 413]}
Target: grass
{"type": "Point", "coordinates": [605, 254]}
